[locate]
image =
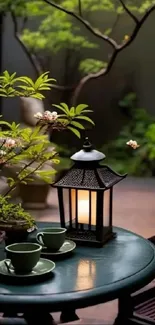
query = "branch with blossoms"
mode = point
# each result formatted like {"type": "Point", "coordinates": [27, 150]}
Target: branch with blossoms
{"type": "Point", "coordinates": [30, 149]}
{"type": "Point", "coordinates": [71, 119]}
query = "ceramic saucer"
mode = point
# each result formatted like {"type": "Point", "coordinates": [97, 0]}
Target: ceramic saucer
{"type": "Point", "coordinates": [67, 247]}
{"type": "Point", "coordinates": [43, 267]}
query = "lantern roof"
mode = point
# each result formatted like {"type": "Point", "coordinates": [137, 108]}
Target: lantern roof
{"type": "Point", "coordinates": [87, 153]}
{"type": "Point", "coordinates": [87, 173]}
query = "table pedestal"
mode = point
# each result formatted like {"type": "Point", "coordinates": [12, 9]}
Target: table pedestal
{"type": "Point", "coordinates": [125, 310]}
{"type": "Point", "coordinates": [68, 316]}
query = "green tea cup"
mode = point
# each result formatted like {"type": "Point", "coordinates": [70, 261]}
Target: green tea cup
{"type": "Point", "coordinates": [23, 256]}
{"type": "Point", "coordinates": [51, 238]}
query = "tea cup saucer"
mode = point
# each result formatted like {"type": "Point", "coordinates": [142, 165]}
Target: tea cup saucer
{"type": "Point", "coordinates": [68, 246]}
{"type": "Point", "coordinates": [44, 266]}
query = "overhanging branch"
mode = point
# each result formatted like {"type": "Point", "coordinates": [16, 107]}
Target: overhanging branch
{"type": "Point", "coordinates": [32, 57]}
{"type": "Point", "coordinates": [117, 50]}
{"type": "Point", "coordinates": [80, 7]}
{"type": "Point", "coordinates": [135, 19]}
{"type": "Point", "coordinates": [28, 54]}
{"type": "Point", "coordinates": [84, 22]}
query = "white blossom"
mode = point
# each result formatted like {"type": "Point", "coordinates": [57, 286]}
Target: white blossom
{"type": "Point", "coordinates": [10, 143]}
{"type": "Point", "coordinates": [133, 144]}
{"type": "Point", "coordinates": [38, 115]}
{"type": "Point", "coordinates": [2, 153]}
{"type": "Point", "coordinates": [50, 116]}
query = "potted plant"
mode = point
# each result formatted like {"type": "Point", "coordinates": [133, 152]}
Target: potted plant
{"type": "Point", "coordinates": [14, 220]}
{"type": "Point", "coordinates": [28, 150]}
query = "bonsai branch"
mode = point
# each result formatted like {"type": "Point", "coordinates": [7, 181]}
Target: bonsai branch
{"type": "Point", "coordinates": [28, 54]}
{"type": "Point", "coordinates": [32, 57]}
{"type": "Point", "coordinates": [80, 7]}
{"type": "Point", "coordinates": [135, 19]}
{"type": "Point", "coordinates": [117, 50]}
{"type": "Point", "coordinates": [84, 22]}
{"type": "Point", "coordinates": [19, 181]}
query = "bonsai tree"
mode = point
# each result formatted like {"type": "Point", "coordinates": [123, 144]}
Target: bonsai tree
{"type": "Point", "coordinates": [61, 27]}
{"type": "Point", "coordinates": [77, 11]}
{"type": "Point", "coordinates": [29, 149]}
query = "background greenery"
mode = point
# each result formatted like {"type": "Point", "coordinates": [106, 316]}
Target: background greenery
{"type": "Point", "coordinates": [140, 126]}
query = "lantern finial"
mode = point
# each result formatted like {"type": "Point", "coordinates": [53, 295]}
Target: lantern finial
{"type": "Point", "coordinates": [87, 146]}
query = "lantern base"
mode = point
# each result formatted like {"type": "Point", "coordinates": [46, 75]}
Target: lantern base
{"type": "Point", "coordinates": [88, 237]}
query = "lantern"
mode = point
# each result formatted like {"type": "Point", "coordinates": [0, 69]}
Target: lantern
{"type": "Point", "coordinates": [85, 195]}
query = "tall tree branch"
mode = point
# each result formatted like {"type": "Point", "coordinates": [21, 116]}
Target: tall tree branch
{"type": "Point", "coordinates": [117, 48]}
{"type": "Point", "coordinates": [93, 30]}
{"type": "Point", "coordinates": [32, 57]}
{"type": "Point", "coordinates": [80, 7]}
{"type": "Point", "coordinates": [18, 39]}
{"type": "Point", "coordinates": [120, 48]}
{"type": "Point", "coordinates": [135, 19]}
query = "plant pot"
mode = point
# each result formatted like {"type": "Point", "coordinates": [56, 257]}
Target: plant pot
{"type": "Point", "coordinates": [15, 231]}
{"type": "Point", "coordinates": [34, 196]}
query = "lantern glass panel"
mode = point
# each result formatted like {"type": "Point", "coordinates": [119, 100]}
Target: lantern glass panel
{"type": "Point", "coordinates": [84, 203]}
{"type": "Point", "coordinates": [106, 208]}
{"type": "Point", "coordinates": [69, 207]}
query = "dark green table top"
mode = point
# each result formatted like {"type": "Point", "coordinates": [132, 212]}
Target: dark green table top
{"type": "Point", "coordinates": [89, 276]}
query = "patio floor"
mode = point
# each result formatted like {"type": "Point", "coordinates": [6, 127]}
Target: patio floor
{"type": "Point", "coordinates": [134, 209]}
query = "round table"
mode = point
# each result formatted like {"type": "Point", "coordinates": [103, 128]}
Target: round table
{"type": "Point", "coordinates": [88, 276]}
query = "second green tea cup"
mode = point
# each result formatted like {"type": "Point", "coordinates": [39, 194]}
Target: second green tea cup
{"type": "Point", "coordinates": [51, 238]}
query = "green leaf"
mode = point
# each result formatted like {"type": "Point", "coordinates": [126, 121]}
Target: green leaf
{"type": "Point", "coordinates": [75, 131]}
{"type": "Point", "coordinates": [65, 106]}
{"type": "Point", "coordinates": [6, 74]}
{"type": "Point", "coordinates": [80, 108]}
{"type": "Point", "coordinates": [72, 111]}
{"type": "Point", "coordinates": [87, 111]}
{"type": "Point", "coordinates": [77, 124]}
{"type": "Point", "coordinates": [60, 107]}
{"type": "Point", "coordinates": [86, 118]}
{"type": "Point", "coordinates": [5, 123]}
{"type": "Point", "coordinates": [27, 88]}
{"type": "Point", "coordinates": [27, 80]}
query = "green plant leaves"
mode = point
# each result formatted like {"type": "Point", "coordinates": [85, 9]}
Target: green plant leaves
{"type": "Point", "coordinates": [91, 65]}
{"type": "Point", "coordinates": [23, 86]}
{"type": "Point", "coordinates": [72, 115]}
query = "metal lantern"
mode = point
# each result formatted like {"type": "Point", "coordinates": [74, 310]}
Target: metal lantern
{"type": "Point", "coordinates": [85, 195]}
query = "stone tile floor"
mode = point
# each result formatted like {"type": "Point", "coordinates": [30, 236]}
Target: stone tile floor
{"type": "Point", "coordinates": [134, 209]}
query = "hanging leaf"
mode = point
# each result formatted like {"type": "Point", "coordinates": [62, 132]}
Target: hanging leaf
{"type": "Point", "coordinates": [77, 124]}
{"type": "Point", "coordinates": [86, 118]}
{"type": "Point", "coordinates": [75, 131]}
{"type": "Point", "coordinates": [60, 107]}
{"type": "Point", "coordinates": [65, 107]}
